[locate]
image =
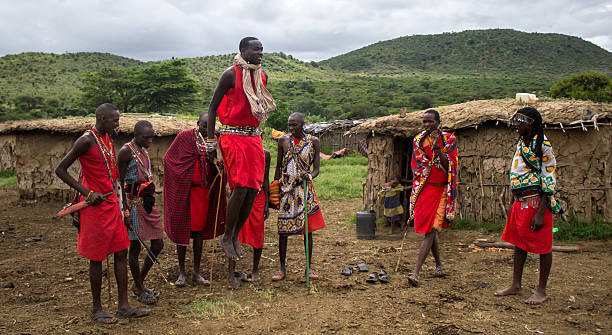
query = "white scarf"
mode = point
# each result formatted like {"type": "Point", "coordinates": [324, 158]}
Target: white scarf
{"type": "Point", "coordinates": [260, 99]}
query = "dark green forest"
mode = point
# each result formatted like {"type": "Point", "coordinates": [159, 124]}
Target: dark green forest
{"type": "Point", "coordinates": [412, 72]}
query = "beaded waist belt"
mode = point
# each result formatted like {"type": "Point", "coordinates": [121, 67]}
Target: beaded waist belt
{"type": "Point", "coordinates": [135, 201]}
{"type": "Point", "coordinates": [242, 131]}
{"type": "Point", "coordinates": [527, 195]}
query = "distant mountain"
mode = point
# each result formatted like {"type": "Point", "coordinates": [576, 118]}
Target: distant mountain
{"type": "Point", "coordinates": [492, 51]}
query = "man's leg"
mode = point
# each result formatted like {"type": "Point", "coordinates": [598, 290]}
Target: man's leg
{"type": "Point", "coordinates": [423, 251]}
{"type": "Point", "coordinates": [181, 250]}
{"type": "Point", "coordinates": [234, 206]}
{"type": "Point", "coordinates": [282, 254]}
{"type": "Point", "coordinates": [135, 267]}
{"type": "Point", "coordinates": [540, 294]}
{"type": "Point", "coordinates": [435, 251]}
{"type": "Point", "coordinates": [123, 304]}
{"type": "Point", "coordinates": [196, 277]}
{"type": "Point", "coordinates": [256, 258]}
{"type": "Point", "coordinates": [244, 210]}
{"type": "Point", "coordinates": [95, 280]}
{"type": "Point", "coordinates": [520, 256]}
{"type": "Point", "coordinates": [156, 248]}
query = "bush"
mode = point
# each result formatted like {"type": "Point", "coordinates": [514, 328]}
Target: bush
{"type": "Point", "coordinates": [584, 86]}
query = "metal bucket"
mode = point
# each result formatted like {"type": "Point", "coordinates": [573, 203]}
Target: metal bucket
{"type": "Point", "coordinates": [366, 225]}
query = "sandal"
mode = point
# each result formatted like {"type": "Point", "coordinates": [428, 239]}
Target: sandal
{"type": "Point", "coordinates": [251, 279]}
{"type": "Point", "coordinates": [104, 317]}
{"type": "Point", "coordinates": [348, 270]}
{"type": "Point", "coordinates": [440, 271]}
{"type": "Point", "coordinates": [133, 313]}
{"type": "Point", "coordinates": [413, 279]}
{"type": "Point", "coordinates": [383, 277]}
{"type": "Point", "coordinates": [280, 275]}
{"type": "Point", "coordinates": [372, 277]}
{"type": "Point", "coordinates": [146, 297]}
{"type": "Point", "coordinates": [363, 267]}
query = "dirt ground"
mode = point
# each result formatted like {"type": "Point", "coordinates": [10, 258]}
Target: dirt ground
{"type": "Point", "coordinates": [45, 288]}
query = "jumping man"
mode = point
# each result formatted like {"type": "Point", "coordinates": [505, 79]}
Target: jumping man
{"type": "Point", "coordinates": [136, 174]}
{"type": "Point", "coordinates": [101, 229]}
{"type": "Point", "coordinates": [242, 102]}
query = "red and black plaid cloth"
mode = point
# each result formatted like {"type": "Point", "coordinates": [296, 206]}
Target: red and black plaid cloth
{"type": "Point", "coordinates": [179, 166]}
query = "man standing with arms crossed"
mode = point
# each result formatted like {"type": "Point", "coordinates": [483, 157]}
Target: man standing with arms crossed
{"type": "Point", "coordinates": [242, 102]}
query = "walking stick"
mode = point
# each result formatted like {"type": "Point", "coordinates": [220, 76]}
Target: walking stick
{"type": "Point", "coordinates": [399, 257]}
{"type": "Point", "coordinates": [110, 297]}
{"type": "Point", "coordinates": [212, 242]}
{"type": "Point", "coordinates": [306, 233]}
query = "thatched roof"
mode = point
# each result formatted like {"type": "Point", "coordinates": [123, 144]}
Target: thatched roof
{"type": "Point", "coordinates": [164, 126]}
{"type": "Point", "coordinates": [473, 113]}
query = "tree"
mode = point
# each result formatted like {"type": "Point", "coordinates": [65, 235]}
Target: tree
{"type": "Point", "coordinates": [165, 85]}
{"type": "Point", "coordinates": [109, 85]}
{"type": "Point", "coordinates": [421, 101]}
{"type": "Point", "coordinates": [592, 86]}
{"type": "Point", "coordinates": [278, 118]}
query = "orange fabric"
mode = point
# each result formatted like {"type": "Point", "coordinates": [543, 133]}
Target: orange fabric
{"type": "Point", "coordinates": [198, 198]}
{"type": "Point", "coordinates": [274, 199]}
{"type": "Point", "coordinates": [440, 213]}
{"type": "Point", "coordinates": [252, 232]}
{"type": "Point", "coordinates": [518, 228]}
{"type": "Point", "coordinates": [102, 231]}
{"type": "Point", "coordinates": [244, 160]}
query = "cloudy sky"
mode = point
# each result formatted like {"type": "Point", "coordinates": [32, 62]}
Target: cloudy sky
{"type": "Point", "coordinates": [308, 30]}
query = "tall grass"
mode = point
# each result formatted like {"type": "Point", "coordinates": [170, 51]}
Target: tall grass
{"type": "Point", "coordinates": [8, 178]}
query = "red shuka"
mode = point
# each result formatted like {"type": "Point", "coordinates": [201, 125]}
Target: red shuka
{"type": "Point", "coordinates": [252, 232]}
{"type": "Point", "coordinates": [243, 156]}
{"type": "Point", "coordinates": [102, 231]}
{"type": "Point", "coordinates": [518, 227]}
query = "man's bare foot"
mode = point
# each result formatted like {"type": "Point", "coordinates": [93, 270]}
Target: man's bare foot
{"type": "Point", "coordinates": [228, 248]}
{"type": "Point", "coordinates": [237, 248]}
{"type": "Point", "coordinates": [537, 298]}
{"type": "Point", "coordinates": [197, 279]}
{"type": "Point", "coordinates": [280, 275]}
{"type": "Point", "coordinates": [233, 282]}
{"type": "Point", "coordinates": [180, 282]}
{"type": "Point", "coordinates": [510, 290]}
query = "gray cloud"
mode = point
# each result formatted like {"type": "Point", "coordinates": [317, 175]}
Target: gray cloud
{"type": "Point", "coordinates": [312, 30]}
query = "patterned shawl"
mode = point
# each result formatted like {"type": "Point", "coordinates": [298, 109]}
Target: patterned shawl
{"type": "Point", "coordinates": [424, 165]}
{"type": "Point", "coordinates": [529, 172]}
{"type": "Point", "coordinates": [297, 160]}
{"type": "Point", "coordinates": [179, 165]}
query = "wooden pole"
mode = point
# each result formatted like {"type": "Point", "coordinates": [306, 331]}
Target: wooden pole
{"type": "Point", "coordinates": [212, 241]}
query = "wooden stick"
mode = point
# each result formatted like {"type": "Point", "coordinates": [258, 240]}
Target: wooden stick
{"type": "Point", "coordinates": [505, 245]}
{"type": "Point", "coordinates": [481, 189]}
{"type": "Point", "coordinates": [108, 275]}
{"type": "Point", "coordinates": [212, 241]}
{"type": "Point", "coordinates": [399, 257]}
{"type": "Point", "coordinates": [501, 202]}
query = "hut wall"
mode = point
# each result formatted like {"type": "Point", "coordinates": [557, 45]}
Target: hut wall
{"type": "Point", "coordinates": [37, 155]}
{"type": "Point", "coordinates": [584, 174]}
{"type": "Point", "coordinates": [336, 140]}
{"type": "Point", "coordinates": [7, 152]}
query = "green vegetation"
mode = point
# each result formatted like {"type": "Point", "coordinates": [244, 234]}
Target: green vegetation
{"type": "Point", "coordinates": [8, 178]}
{"type": "Point", "coordinates": [341, 178]}
{"type": "Point", "coordinates": [572, 230]}
{"type": "Point", "coordinates": [212, 309]}
{"type": "Point", "coordinates": [412, 72]}
{"type": "Point", "coordinates": [584, 86]}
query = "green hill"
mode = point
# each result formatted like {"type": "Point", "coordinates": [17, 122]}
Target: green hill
{"type": "Point", "coordinates": [492, 51]}
{"type": "Point", "coordinates": [413, 72]}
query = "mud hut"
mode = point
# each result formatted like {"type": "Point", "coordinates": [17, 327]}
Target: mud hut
{"type": "Point", "coordinates": [34, 148]}
{"type": "Point", "coordinates": [580, 133]}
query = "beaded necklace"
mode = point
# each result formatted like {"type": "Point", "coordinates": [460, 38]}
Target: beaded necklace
{"type": "Point", "coordinates": [146, 169]}
{"type": "Point", "coordinates": [108, 155]}
{"type": "Point", "coordinates": [200, 142]}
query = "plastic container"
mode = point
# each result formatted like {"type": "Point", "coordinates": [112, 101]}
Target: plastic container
{"type": "Point", "coordinates": [365, 224]}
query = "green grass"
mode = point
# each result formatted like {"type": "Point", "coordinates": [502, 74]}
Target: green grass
{"type": "Point", "coordinates": [572, 230]}
{"type": "Point", "coordinates": [8, 178]}
{"type": "Point", "coordinates": [212, 309]}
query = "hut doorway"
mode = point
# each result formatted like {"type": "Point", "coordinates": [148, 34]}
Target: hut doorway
{"type": "Point", "coordinates": [403, 150]}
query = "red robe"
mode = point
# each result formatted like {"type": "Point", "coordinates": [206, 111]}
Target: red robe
{"type": "Point", "coordinates": [518, 227]}
{"type": "Point", "coordinates": [252, 232]}
{"type": "Point", "coordinates": [243, 156]}
{"type": "Point", "coordinates": [102, 231]}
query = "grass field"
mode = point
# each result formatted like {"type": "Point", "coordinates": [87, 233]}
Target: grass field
{"type": "Point", "coordinates": [8, 178]}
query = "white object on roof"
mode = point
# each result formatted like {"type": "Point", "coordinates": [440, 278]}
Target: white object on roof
{"type": "Point", "coordinates": [526, 97]}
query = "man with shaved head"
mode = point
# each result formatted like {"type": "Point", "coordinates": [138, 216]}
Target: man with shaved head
{"type": "Point", "coordinates": [191, 197]}
{"type": "Point", "coordinates": [297, 163]}
{"type": "Point", "coordinates": [136, 174]}
{"type": "Point", "coordinates": [100, 225]}
{"type": "Point", "coordinates": [242, 102]}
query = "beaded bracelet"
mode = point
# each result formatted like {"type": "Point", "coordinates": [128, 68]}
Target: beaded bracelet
{"type": "Point", "coordinates": [89, 195]}
{"type": "Point", "coordinates": [211, 140]}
